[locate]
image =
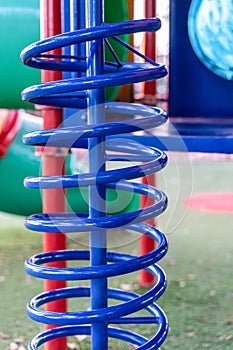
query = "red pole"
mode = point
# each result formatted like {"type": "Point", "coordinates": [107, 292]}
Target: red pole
{"type": "Point", "coordinates": [150, 51]}
{"type": "Point", "coordinates": [53, 163]}
{"type": "Point", "coordinates": [147, 244]}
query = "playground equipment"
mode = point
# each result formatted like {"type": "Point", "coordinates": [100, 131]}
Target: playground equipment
{"type": "Point", "coordinates": [26, 161]}
{"type": "Point", "coordinates": [86, 92]}
{"type": "Point", "coordinates": [15, 122]}
{"type": "Point", "coordinates": [203, 117]}
{"type": "Point", "coordinates": [200, 85]}
{"type": "Point", "coordinates": [25, 14]}
{"type": "Point", "coordinates": [200, 100]}
{"type": "Point", "coordinates": [205, 124]}
{"type": "Point", "coordinates": [147, 244]}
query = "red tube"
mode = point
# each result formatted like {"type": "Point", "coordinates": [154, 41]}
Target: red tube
{"type": "Point", "coordinates": [9, 127]}
{"type": "Point", "coordinates": [150, 49]}
{"type": "Point", "coordinates": [147, 244]}
{"type": "Point", "coordinates": [53, 163]}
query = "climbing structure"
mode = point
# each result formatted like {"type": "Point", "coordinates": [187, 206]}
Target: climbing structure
{"type": "Point", "coordinates": [83, 89]}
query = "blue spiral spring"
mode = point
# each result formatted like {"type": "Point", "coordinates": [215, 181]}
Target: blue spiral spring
{"type": "Point", "coordinates": [74, 93]}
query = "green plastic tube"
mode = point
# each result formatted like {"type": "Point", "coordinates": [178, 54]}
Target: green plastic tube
{"type": "Point", "coordinates": [21, 161]}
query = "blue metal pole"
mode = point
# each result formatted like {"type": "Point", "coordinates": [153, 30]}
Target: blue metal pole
{"type": "Point", "coordinates": [96, 115]}
{"type": "Point", "coordinates": [82, 24]}
{"type": "Point", "coordinates": [74, 25]}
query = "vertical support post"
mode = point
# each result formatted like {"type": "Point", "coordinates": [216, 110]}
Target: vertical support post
{"type": "Point", "coordinates": [71, 10]}
{"type": "Point", "coordinates": [147, 244]}
{"type": "Point", "coordinates": [150, 51]}
{"type": "Point", "coordinates": [96, 115]}
{"type": "Point", "coordinates": [53, 164]}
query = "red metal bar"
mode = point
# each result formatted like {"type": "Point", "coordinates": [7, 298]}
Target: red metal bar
{"type": "Point", "coordinates": [146, 243]}
{"type": "Point", "coordinates": [53, 163]}
{"type": "Point", "coordinates": [150, 49]}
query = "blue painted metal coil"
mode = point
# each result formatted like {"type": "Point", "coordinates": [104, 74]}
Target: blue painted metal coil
{"type": "Point", "coordinates": [73, 93]}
